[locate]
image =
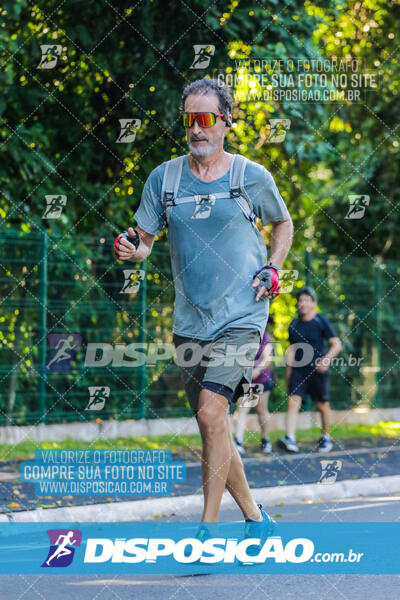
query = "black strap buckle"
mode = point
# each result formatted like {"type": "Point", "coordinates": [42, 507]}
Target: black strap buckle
{"type": "Point", "coordinates": [204, 197]}
{"type": "Point", "coordinates": [235, 192]}
{"type": "Point", "coordinates": [169, 199]}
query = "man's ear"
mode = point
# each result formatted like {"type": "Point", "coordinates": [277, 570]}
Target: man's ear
{"type": "Point", "coordinates": [228, 121]}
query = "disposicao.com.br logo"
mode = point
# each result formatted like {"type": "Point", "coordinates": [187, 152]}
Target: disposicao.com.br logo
{"type": "Point", "coordinates": [211, 551]}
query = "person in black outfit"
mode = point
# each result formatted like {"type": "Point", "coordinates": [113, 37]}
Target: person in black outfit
{"type": "Point", "coordinates": [307, 367]}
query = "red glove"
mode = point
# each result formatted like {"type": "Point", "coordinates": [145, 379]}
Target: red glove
{"type": "Point", "coordinates": [269, 278]}
{"type": "Point", "coordinates": [133, 240]}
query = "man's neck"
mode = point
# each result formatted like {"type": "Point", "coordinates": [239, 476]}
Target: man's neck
{"type": "Point", "coordinates": [213, 166]}
{"type": "Point", "coordinates": [309, 316]}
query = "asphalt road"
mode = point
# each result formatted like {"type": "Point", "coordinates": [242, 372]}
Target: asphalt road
{"type": "Point", "coordinates": [243, 587]}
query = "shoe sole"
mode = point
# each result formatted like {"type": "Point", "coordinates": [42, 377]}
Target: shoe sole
{"type": "Point", "coordinates": [284, 447]}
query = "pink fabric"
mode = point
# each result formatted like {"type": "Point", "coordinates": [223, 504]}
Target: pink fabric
{"type": "Point", "coordinates": [266, 374]}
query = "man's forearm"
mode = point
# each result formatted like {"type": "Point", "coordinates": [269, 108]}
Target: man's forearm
{"type": "Point", "coordinates": [282, 234]}
{"type": "Point", "coordinates": [334, 350]}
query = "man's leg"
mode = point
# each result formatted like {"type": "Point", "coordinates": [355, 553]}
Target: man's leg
{"type": "Point", "coordinates": [294, 404]}
{"type": "Point", "coordinates": [221, 463]}
{"type": "Point", "coordinates": [325, 410]}
{"type": "Point", "coordinates": [237, 484]}
{"type": "Point", "coordinates": [217, 451]}
{"type": "Point", "coordinates": [263, 414]}
{"type": "Point", "coordinates": [242, 412]}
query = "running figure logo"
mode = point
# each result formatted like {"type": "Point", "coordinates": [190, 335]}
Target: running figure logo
{"type": "Point", "coordinates": [62, 542]}
{"type": "Point", "coordinates": [277, 130]}
{"type": "Point", "coordinates": [129, 129]}
{"type": "Point", "coordinates": [63, 348]}
{"type": "Point", "coordinates": [286, 279]}
{"type": "Point", "coordinates": [202, 56]}
{"type": "Point", "coordinates": [250, 396]}
{"type": "Point", "coordinates": [50, 54]}
{"type": "Point", "coordinates": [132, 277]}
{"type": "Point", "coordinates": [97, 397]}
{"type": "Point", "coordinates": [55, 205]}
{"type": "Point", "coordinates": [330, 470]}
{"type": "Point", "coordinates": [203, 206]}
{"type": "Point", "coordinates": [358, 205]}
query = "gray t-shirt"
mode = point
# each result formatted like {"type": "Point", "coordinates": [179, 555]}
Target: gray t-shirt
{"type": "Point", "coordinates": [215, 250]}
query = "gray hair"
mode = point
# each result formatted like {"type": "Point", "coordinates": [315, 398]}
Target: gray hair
{"type": "Point", "coordinates": [210, 86]}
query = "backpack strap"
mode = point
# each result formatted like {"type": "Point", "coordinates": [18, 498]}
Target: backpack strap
{"type": "Point", "coordinates": [170, 184]}
{"type": "Point", "coordinates": [172, 178]}
{"type": "Point", "coordinates": [294, 323]}
{"type": "Point", "coordinates": [237, 189]}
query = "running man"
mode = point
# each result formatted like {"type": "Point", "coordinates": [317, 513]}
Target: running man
{"type": "Point", "coordinates": [261, 378]}
{"type": "Point", "coordinates": [312, 329]}
{"type": "Point", "coordinates": [218, 265]}
{"type": "Point", "coordinates": [203, 55]}
{"type": "Point", "coordinates": [62, 549]}
{"type": "Point", "coordinates": [64, 345]}
{"type": "Point", "coordinates": [56, 205]}
{"type": "Point", "coordinates": [99, 397]}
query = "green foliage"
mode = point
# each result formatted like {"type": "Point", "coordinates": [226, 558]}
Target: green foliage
{"type": "Point", "coordinates": [365, 157]}
{"type": "Point", "coordinates": [58, 132]}
{"type": "Point", "coordinates": [192, 443]}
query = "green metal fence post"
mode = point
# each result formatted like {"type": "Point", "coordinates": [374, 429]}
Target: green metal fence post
{"type": "Point", "coordinates": [142, 339]}
{"type": "Point", "coordinates": [308, 267]}
{"type": "Point", "coordinates": [308, 404]}
{"type": "Point", "coordinates": [42, 327]}
{"type": "Point", "coordinates": [378, 327]}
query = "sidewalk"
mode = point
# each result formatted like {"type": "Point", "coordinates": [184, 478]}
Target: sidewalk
{"type": "Point", "coordinates": [278, 476]}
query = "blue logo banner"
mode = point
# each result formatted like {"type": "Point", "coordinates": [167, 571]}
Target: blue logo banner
{"type": "Point", "coordinates": [188, 548]}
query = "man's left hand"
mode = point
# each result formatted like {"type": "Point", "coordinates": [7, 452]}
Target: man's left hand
{"type": "Point", "coordinates": [268, 279]}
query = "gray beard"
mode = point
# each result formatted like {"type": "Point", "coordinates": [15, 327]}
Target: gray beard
{"type": "Point", "coordinates": [202, 152]}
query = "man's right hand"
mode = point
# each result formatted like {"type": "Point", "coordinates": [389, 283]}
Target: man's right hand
{"type": "Point", "coordinates": [123, 249]}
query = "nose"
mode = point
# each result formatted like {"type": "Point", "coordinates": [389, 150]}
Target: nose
{"type": "Point", "coordinates": [196, 129]}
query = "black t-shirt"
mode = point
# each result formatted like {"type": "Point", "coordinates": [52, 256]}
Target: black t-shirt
{"type": "Point", "coordinates": [314, 333]}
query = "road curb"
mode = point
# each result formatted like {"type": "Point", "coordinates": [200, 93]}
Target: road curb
{"type": "Point", "coordinates": [147, 509]}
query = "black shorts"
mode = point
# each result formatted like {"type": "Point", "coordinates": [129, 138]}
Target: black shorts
{"type": "Point", "coordinates": [266, 386]}
{"type": "Point", "coordinates": [303, 383]}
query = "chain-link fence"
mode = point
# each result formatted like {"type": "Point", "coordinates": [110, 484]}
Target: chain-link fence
{"type": "Point", "coordinates": [70, 314]}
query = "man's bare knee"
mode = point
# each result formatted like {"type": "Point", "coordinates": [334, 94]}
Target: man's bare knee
{"type": "Point", "coordinates": [294, 402]}
{"type": "Point", "coordinates": [211, 415]}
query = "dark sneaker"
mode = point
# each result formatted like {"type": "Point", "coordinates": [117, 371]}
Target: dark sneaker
{"type": "Point", "coordinates": [325, 444]}
{"type": "Point", "coordinates": [259, 529]}
{"type": "Point", "coordinates": [288, 444]}
{"type": "Point", "coordinates": [266, 446]}
{"type": "Point", "coordinates": [239, 446]}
